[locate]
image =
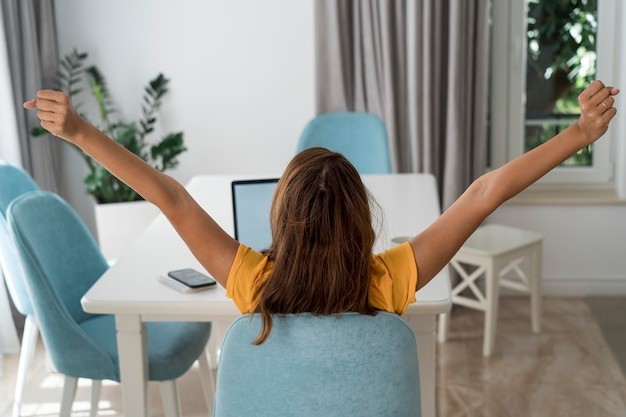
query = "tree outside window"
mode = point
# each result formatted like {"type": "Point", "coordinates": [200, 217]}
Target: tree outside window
{"type": "Point", "coordinates": [561, 62]}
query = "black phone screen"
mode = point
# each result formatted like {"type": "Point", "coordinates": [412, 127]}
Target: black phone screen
{"type": "Point", "coordinates": [191, 278]}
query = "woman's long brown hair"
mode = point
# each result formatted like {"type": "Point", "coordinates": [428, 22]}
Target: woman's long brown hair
{"type": "Point", "coordinates": [322, 239]}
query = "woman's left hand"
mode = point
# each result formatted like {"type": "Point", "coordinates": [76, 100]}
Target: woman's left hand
{"type": "Point", "coordinates": [596, 110]}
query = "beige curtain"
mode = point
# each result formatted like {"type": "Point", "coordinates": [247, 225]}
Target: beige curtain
{"type": "Point", "coordinates": [363, 65]}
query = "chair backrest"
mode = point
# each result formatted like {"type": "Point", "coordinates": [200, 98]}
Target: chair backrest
{"type": "Point", "coordinates": [14, 182]}
{"type": "Point", "coordinates": [339, 365]}
{"type": "Point", "coordinates": [360, 137]}
{"type": "Point", "coordinates": [61, 261]}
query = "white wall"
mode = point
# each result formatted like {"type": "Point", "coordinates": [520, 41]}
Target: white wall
{"type": "Point", "coordinates": [241, 71]}
{"type": "Point", "coordinates": [584, 247]}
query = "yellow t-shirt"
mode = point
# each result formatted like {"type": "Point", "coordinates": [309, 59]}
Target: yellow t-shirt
{"type": "Point", "coordinates": [392, 287]}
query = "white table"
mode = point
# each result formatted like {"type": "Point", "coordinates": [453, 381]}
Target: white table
{"type": "Point", "coordinates": [130, 291]}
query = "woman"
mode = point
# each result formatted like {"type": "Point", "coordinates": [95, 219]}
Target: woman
{"type": "Point", "coordinates": [321, 260]}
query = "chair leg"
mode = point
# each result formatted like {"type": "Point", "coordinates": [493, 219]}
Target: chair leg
{"type": "Point", "coordinates": [206, 379]}
{"type": "Point", "coordinates": [491, 312]}
{"type": "Point", "coordinates": [69, 392]}
{"type": "Point", "coordinates": [169, 397]}
{"type": "Point", "coordinates": [27, 353]}
{"type": "Point", "coordinates": [96, 388]}
{"type": "Point", "coordinates": [535, 290]}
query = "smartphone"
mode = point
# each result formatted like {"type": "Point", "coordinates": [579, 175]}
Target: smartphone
{"type": "Point", "coordinates": [192, 278]}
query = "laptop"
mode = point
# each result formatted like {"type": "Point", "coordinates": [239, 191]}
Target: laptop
{"type": "Point", "coordinates": [252, 200]}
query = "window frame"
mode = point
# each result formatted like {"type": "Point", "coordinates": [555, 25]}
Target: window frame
{"type": "Point", "coordinates": [508, 89]}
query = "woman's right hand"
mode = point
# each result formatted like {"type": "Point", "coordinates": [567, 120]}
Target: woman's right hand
{"type": "Point", "coordinates": [55, 112]}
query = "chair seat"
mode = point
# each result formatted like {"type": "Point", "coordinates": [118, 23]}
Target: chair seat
{"type": "Point", "coordinates": [172, 346]}
{"type": "Point", "coordinates": [496, 240]}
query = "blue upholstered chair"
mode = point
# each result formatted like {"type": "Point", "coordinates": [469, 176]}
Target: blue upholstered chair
{"type": "Point", "coordinates": [311, 366]}
{"type": "Point", "coordinates": [360, 137]}
{"type": "Point", "coordinates": [14, 182]}
{"type": "Point", "coordinates": [61, 261]}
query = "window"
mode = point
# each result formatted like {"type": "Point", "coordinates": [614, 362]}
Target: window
{"type": "Point", "coordinates": [543, 54]}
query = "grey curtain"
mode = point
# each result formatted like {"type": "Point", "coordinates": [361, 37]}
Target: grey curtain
{"type": "Point", "coordinates": [452, 67]}
{"type": "Point", "coordinates": [363, 64]}
{"type": "Point", "coordinates": [30, 34]}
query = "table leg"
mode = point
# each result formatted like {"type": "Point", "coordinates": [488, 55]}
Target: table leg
{"type": "Point", "coordinates": [132, 348]}
{"type": "Point", "coordinates": [424, 328]}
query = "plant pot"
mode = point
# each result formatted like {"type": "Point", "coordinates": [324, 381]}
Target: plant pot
{"type": "Point", "coordinates": [119, 224]}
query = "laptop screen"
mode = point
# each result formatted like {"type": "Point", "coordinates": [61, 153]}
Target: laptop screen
{"type": "Point", "coordinates": [252, 200]}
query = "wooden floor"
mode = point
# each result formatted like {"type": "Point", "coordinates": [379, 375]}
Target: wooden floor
{"type": "Point", "coordinates": [567, 370]}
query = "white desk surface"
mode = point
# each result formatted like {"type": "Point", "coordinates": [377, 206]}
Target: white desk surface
{"type": "Point", "coordinates": [130, 286]}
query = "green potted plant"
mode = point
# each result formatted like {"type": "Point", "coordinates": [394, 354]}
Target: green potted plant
{"type": "Point", "coordinates": [163, 155]}
{"type": "Point", "coordinates": [134, 135]}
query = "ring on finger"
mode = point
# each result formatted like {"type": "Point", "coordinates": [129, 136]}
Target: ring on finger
{"type": "Point", "coordinates": [604, 104]}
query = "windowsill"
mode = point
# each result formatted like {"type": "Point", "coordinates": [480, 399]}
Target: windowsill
{"type": "Point", "coordinates": [567, 195]}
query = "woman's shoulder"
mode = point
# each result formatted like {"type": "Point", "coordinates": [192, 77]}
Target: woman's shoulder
{"type": "Point", "coordinates": [394, 279]}
{"type": "Point", "coordinates": [247, 258]}
{"type": "Point", "coordinates": [399, 254]}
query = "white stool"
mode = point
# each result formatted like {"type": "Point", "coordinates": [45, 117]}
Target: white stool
{"type": "Point", "coordinates": [496, 251]}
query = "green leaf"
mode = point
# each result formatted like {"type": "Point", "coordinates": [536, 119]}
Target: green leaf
{"type": "Point", "coordinates": [66, 66]}
{"type": "Point", "coordinates": [166, 152]}
{"type": "Point", "coordinates": [38, 131]}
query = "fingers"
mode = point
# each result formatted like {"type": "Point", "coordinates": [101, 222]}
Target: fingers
{"type": "Point", "coordinates": [47, 116]}
{"type": "Point", "coordinates": [50, 127]}
{"type": "Point", "coordinates": [48, 105]}
{"type": "Point", "coordinates": [591, 90]}
{"type": "Point", "coordinates": [597, 99]}
{"type": "Point", "coordinates": [53, 95]}
{"type": "Point", "coordinates": [599, 96]}
{"type": "Point", "coordinates": [48, 100]}
{"type": "Point", "coordinates": [609, 114]}
{"type": "Point", "coordinates": [54, 111]}
{"type": "Point", "coordinates": [31, 104]}
{"type": "Point", "coordinates": [606, 104]}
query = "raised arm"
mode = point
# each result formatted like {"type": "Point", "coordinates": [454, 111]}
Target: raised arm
{"type": "Point", "coordinates": [435, 246]}
{"type": "Point", "coordinates": [209, 243]}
